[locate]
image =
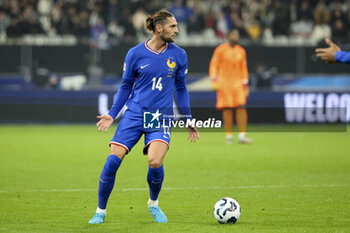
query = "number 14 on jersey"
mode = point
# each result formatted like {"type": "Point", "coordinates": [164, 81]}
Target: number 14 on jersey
{"type": "Point", "coordinates": [157, 84]}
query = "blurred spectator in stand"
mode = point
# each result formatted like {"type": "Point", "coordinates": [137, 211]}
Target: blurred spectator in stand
{"type": "Point", "coordinates": [321, 13]}
{"type": "Point", "coordinates": [250, 12]}
{"type": "Point", "coordinates": [29, 12]}
{"type": "Point", "coordinates": [210, 21]}
{"type": "Point", "coordinates": [115, 32]}
{"type": "Point", "coordinates": [293, 11]}
{"type": "Point", "coordinates": [196, 22]}
{"type": "Point", "coordinates": [222, 27]}
{"type": "Point", "coordinates": [126, 22]}
{"type": "Point", "coordinates": [347, 17]}
{"type": "Point", "coordinates": [73, 19]}
{"type": "Point", "coordinates": [305, 11]}
{"type": "Point", "coordinates": [5, 6]}
{"type": "Point", "coordinates": [155, 5]}
{"type": "Point", "coordinates": [265, 13]}
{"type": "Point", "coordinates": [339, 32]}
{"type": "Point", "coordinates": [113, 10]}
{"type": "Point", "coordinates": [15, 12]}
{"type": "Point", "coordinates": [336, 13]}
{"type": "Point", "coordinates": [253, 29]}
{"type": "Point", "coordinates": [82, 28]}
{"type": "Point", "coordinates": [227, 16]}
{"type": "Point", "coordinates": [281, 21]}
{"type": "Point", "coordinates": [302, 28]}
{"type": "Point", "coordinates": [138, 20]}
{"type": "Point", "coordinates": [45, 7]}
{"type": "Point", "coordinates": [238, 23]}
{"type": "Point", "coordinates": [4, 22]}
{"type": "Point", "coordinates": [94, 74]}
{"type": "Point", "coordinates": [44, 10]}
{"type": "Point", "coordinates": [181, 12]}
{"type": "Point", "coordinates": [95, 14]}
{"type": "Point", "coordinates": [99, 36]}
{"type": "Point", "coordinates": [56, 15]}
{"type": "Point", "coordinates": [53, 81]}
{"type": "Point", "coordinates": [14, 30]}
{"type": "Point", "coordinates": [40, 74]}
{"type": "Point", "coordinates": [321, 19]}
{"type": "Point", "coordinates": [32, 26]}
{"type": "Point", "coordinates": [264, 75]}
{"type": "Point", "coordinates": [64, 25]}
{"type": "Point", "coordinates": [338, 23]}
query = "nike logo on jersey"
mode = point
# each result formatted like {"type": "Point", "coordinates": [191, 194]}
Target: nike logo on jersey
{"type": "Point", "coordinates": [144, 66]}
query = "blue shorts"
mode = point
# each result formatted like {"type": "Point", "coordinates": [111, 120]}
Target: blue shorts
{"type": "Point", "coordinates": [130, 130]}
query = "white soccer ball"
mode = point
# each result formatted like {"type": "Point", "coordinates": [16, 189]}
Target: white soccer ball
{"type": "Point", "coordinates": [227, 210]}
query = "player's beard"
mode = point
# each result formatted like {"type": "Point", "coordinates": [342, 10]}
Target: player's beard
{"type": "Point", "coordinates": [233, 43]}
{"type": "Point", "coordinates": [166, 39]}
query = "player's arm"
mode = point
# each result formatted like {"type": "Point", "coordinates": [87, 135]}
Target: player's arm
{"type": "Point", "coordinates": [214, 68]}
{"type": "Point", "coordinates": [182, 96]}
{"type": "Point", "coordinates": [333, 53]}
{"type": "Point", "coordinates": [342, 57]}
{"type": "Point", "coordinates": [245, 74]}
{"type": "Point", "coordinates": [122, 96]}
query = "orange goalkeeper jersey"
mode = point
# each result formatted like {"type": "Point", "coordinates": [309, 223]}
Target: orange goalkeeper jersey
{"type": "Point", "coordinates": [229, 66]}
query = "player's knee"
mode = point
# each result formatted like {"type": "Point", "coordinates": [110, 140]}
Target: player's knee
{"type": "Point", "coordinates": [118, 151]}
{"type": "Point", "coordinates": [154, 163]}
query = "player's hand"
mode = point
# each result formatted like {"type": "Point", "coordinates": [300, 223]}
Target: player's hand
{"type": "Point", "coordinates": [246, 90]}
{"type": "Point", "coordinates": [105, 122]}
{"type": "Point", "coordinates": [328, 54]}
{"type": "Point", "coordinates": [215, 86]}
{"type": "Point", "coordinates": [214, 83]}
{"type": "Point", "coordinates": [193, 134]}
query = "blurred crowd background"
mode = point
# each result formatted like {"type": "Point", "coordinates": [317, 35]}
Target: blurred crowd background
{"type": "Point", "coordinates": [81, 44]}
{"type": "Point", "coordinates": [62, 60]}
{"type": "Point", "coordinates": [109, 22]}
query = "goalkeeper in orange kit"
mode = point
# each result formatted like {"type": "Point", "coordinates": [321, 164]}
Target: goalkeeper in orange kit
{"type": "Point", "coordinates": [229, 77]}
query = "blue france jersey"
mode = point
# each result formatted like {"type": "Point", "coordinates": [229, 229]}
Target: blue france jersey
{"type": "Point", "coordinates": [155, 76]}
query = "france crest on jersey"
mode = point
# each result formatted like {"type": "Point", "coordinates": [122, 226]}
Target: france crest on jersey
{"type": "Point", "coordinates": [156, 75]}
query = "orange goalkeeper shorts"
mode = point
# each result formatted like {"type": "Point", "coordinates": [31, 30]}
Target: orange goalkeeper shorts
{"type": "Point", "coordinates": [231, 97]}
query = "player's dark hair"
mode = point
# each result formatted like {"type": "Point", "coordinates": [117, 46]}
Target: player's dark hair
{"type": "Point", "coordinates": [233, 30]}
{"type": "Point", "coordinates": [157, 18]}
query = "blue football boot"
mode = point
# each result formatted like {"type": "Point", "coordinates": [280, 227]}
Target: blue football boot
{"type": "Point", "coordinates": [98, 218]}
{"type": "Point", "coordinates": [157, 214]}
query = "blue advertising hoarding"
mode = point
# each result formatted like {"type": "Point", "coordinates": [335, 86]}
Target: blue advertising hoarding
{"type": "Point", "coordinates": [83, 106]}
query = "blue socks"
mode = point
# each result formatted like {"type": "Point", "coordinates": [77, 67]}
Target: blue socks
{"type": "Point", "coordinates": [155, 178]}
{"type": "Point", "coordinates": [107, 179]}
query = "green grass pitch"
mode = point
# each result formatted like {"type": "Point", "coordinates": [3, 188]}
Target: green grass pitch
{"type": "Point", "coordinates": [284, 182]}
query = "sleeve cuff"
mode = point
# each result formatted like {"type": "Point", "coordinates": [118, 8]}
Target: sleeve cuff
{"type": "Point", "coordinates": [338, 56]}
{"type": "Point", "coordinates": [342, 57]}
{"type": "Point", "coordinates": [112, 115]}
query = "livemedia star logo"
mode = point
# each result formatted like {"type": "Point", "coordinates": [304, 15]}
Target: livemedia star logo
{"type": "Point", "coordinates": [154, 121]}
{"type": "Point", "coordinates": [151, 120]}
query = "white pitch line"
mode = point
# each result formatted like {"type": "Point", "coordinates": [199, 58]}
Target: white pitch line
{"type": "Point", "coordinates": [183, 188]}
